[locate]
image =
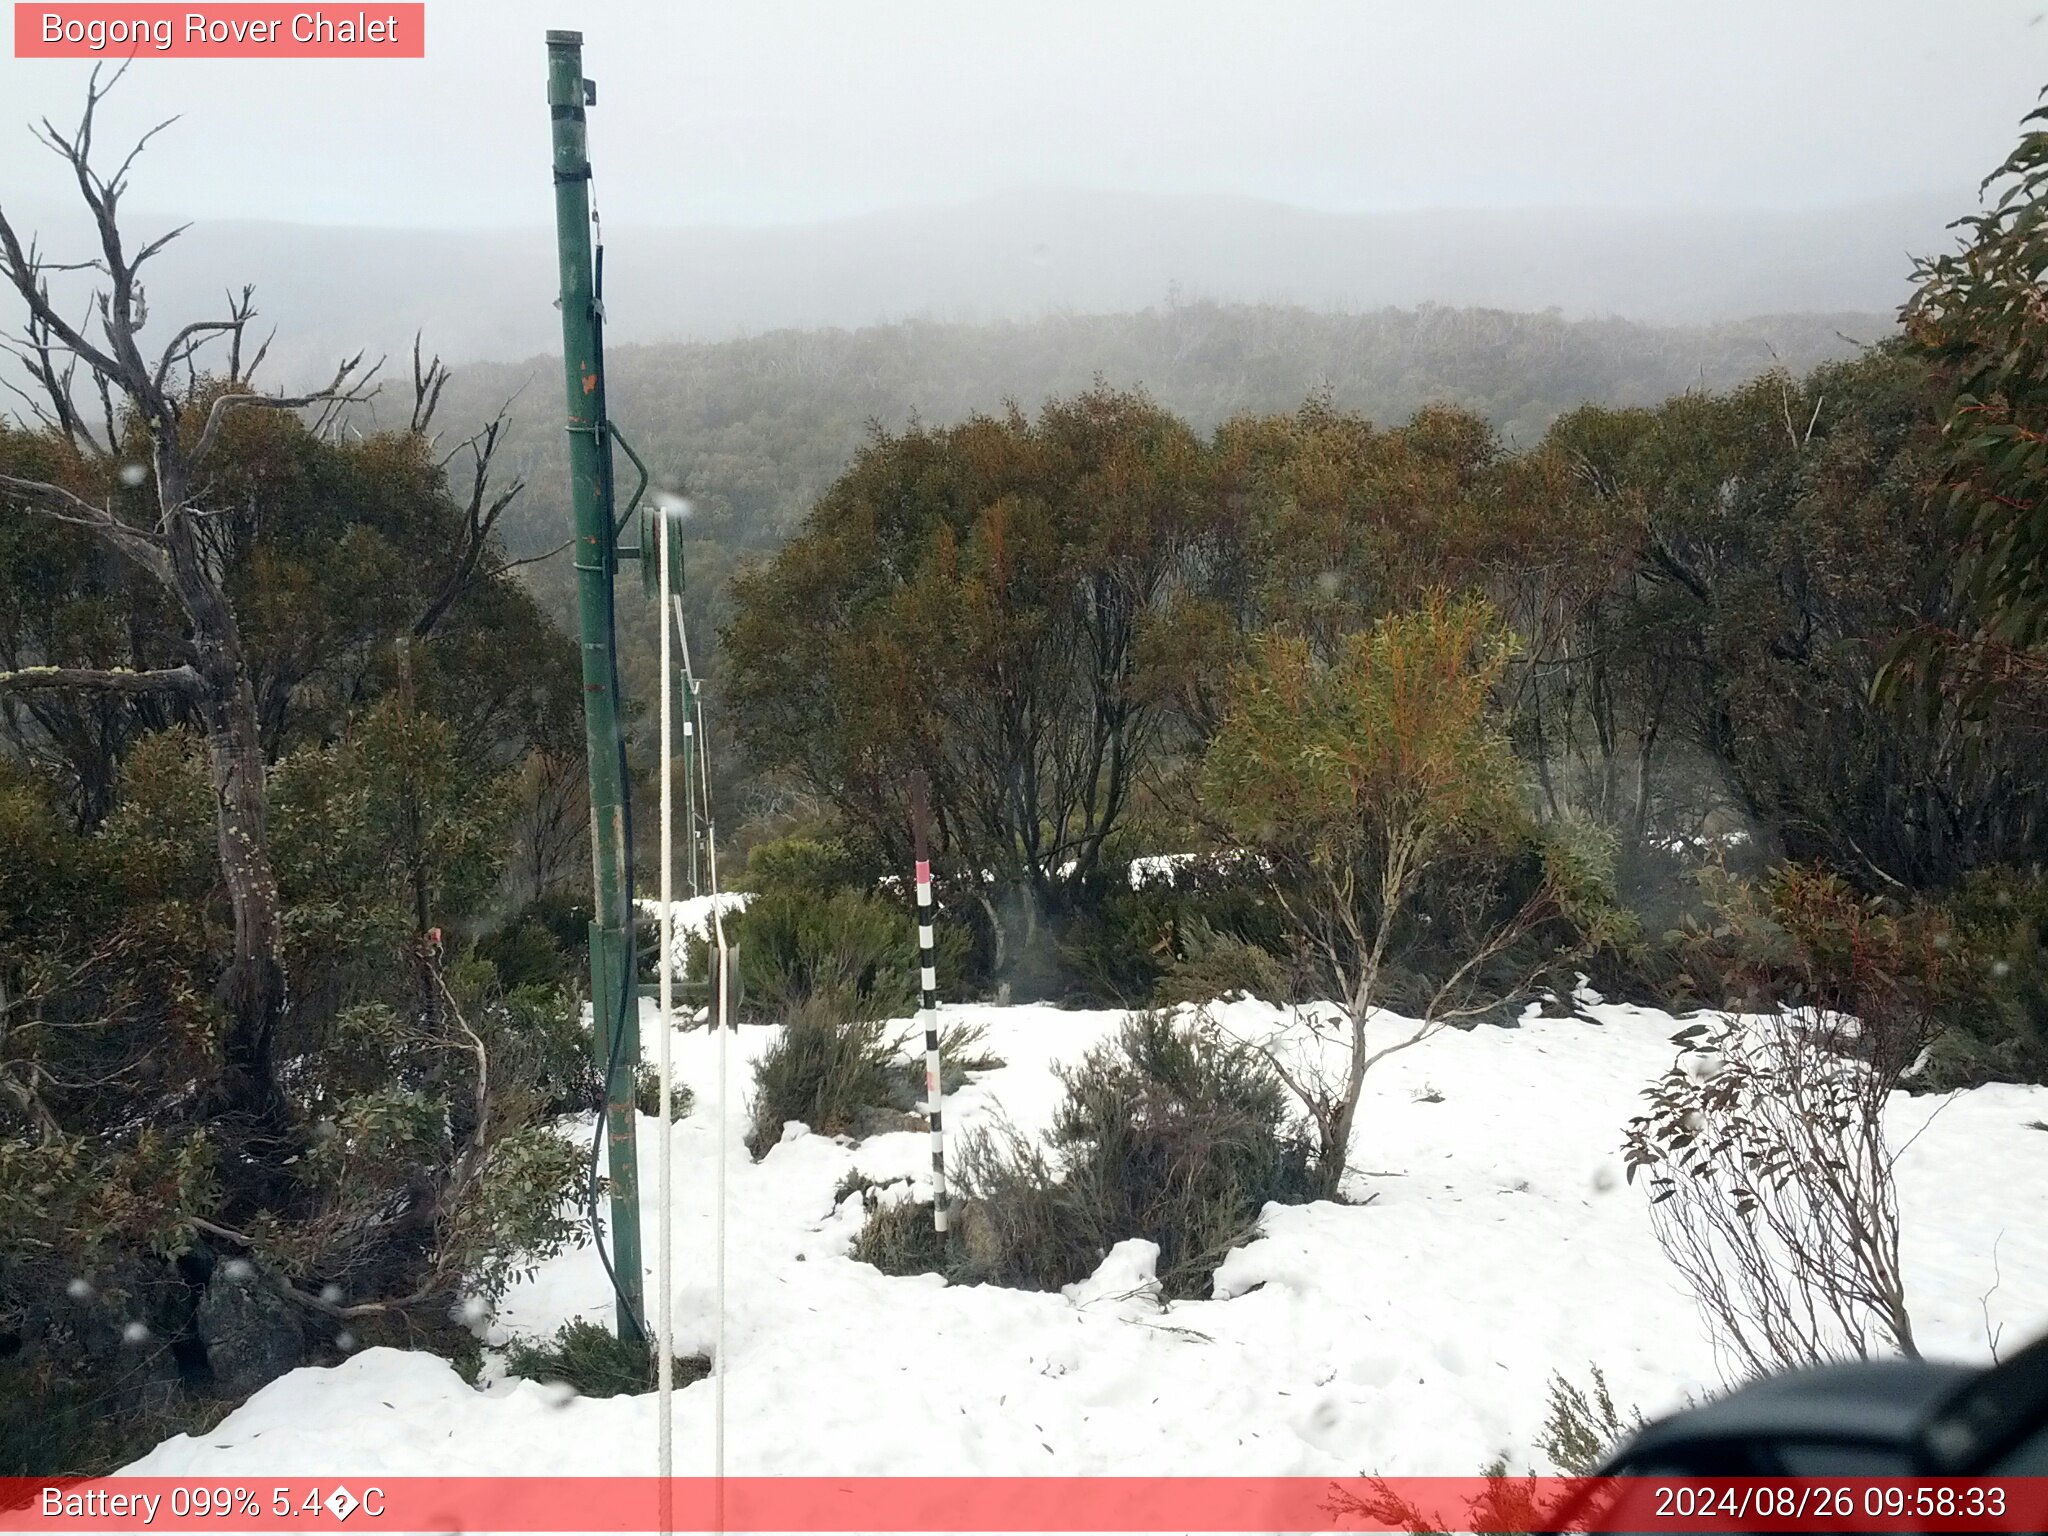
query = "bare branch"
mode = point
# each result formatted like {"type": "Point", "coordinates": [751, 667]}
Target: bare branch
{"type": "Point", "coordinates": [427, 384]}
{"type": "Point", "coordinates": [66, 507]}
{"type": "Point", "coordinates": [24, 273]}
{"type": "Point", "coordinates": [480, 519]}
{"type": "Point", "coordinates": [183, 346]}
{"type": "Point", "coordinates": [109, 680]}
{"type": "Point", "coordinates": [513, 565]}
{"type": "Point", "coordinates": [339, 390]}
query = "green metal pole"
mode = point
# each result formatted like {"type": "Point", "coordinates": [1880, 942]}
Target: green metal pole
{"type": "Point", "coordinates": [611, 934]}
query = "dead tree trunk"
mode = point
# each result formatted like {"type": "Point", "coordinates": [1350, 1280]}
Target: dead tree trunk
{"type": "Point", "coordinates": [185, 547]}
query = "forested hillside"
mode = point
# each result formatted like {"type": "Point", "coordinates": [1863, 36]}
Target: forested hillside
{"type": "Point", "coordinates": [755, 429]}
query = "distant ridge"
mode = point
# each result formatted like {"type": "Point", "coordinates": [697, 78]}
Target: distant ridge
{"type": "Point", "coordinates": [755, 428]}
{"type": "Point", "coordinates": [489, 294]}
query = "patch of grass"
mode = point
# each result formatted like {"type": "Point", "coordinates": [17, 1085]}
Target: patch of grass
{"type": "Point", "coordinates": [647, 1094]}
{"type": "Point", "coordinates": [51, 1427]}
{"type": "Point", "coordinates": [595, 1362]}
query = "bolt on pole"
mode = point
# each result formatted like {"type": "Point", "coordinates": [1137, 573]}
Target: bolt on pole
{"type": "Point", "coordinates": [614, 1005]}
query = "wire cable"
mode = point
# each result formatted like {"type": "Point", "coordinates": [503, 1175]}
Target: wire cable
{"type": "Point", "coordinates": [722, 1016]}
{"type": "Point", "coordinates": [665, 1384]}
{"type": "Point", "coordinates": [628, 969]}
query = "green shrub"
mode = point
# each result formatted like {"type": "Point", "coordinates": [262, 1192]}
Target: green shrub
{"type": "Point", "coordinates": [1135, 945]}
{"type": "Point", "coordinates": [853, 956]}
{"type": "Point", "coordinates": [537, 1035]}
{"type": "Point", "coordinates": [647, 1094]}
{"type": "Point", "coordinates": [1506, 1506]}
{"type": "Point", "coordinates": [1995, 1022]}
{"type": "Point", "coordinates": [813, 864]}
{"type": "Point", "coordinates": [1167, 1133]}
{"type": "Point", "coordinates": [596, 1362]}
{"type": "Point", "coordinates": [546, 943]}
{"type": "Point", "coordinates": [898, 1237]}
{"type": "Point", "coordinates": [1964, 973]}
{"type": "Point", "coordinates": [52, 1425]}
{"type": "Point", "coordinates": [826, 1072]}
{"type": "Point", "coordinates": [1583, 1426]}
{"type": "Point", "coordinates": [1212, 965]}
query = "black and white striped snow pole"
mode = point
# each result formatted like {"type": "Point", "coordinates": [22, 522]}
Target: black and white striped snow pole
{"type": "Point", "coordinates": [928, 981]}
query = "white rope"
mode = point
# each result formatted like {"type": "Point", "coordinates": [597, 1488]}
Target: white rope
{"type": "Point", "coordinates": [694, 715]}
{"type": "Point", "coordinates": [665, 1384]}
{"type": "Point", "coordinates": [724, 1085]}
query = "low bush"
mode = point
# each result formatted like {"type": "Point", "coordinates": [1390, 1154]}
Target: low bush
{"type": "Point", "coordinates": [1583, 1426]}
{"type": "Point", "coordinates": [826, 1072]}
{"type": "Point", "coordinates": [647, 1094]}
{"type": "Point", "coordinates": [851, 955]}
{"type": "Point", "coordinates": [1967, 969]}
{"type": "Point", "coordinates": [540, 1037]}
{"type": "Point", "coordinates": [849, 1077]}
{"type": "Point", "coordinates": [898, 1237]}
{"type": "Point", "coordinates": [53, 1424]}
{"type": "Point", "coordinates": [1995, 1022]}
{"type": "Point", "coordinates": [1158, 939]}
{"type": "Point", "coordinates": [594, 1362]}
{"type": "Point", "coordinates": [816, 862]}
{"type": "Point", "coordinates": [1166, 1133]}
{"type": "Point", "coordinates": [1771, 1188]}
{"type": "Point", "coordinates": [546, 943]}
{"type": "Point", "coordinates": [1506, 1506]}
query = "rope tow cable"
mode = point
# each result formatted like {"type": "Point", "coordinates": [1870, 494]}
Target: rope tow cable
{"type": "Point", "coordinates": [674, 648]}
{"type": "Point", "coordinates": [664, 1326]}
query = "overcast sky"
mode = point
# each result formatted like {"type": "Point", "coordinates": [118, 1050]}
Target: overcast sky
{"type": "Point", "coordinates": [777, 111]}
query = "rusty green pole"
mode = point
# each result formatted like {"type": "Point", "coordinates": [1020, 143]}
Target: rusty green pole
{"type": "Point", "coordinates": [614, 1005]}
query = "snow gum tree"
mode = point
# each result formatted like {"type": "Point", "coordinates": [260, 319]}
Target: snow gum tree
{"type": "Point", "coordinates": [990, 602]}
{"type": "Point", "coordinates": [1356, 780]}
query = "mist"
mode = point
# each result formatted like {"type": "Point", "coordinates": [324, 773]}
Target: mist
{"type": "Point", "coordinates": [786, 165]}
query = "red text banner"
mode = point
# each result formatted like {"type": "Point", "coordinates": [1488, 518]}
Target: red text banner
{"type": "Point", "coordinates": [230, 31]}
{"type": "Point", "coordinates": [1014, 1504]}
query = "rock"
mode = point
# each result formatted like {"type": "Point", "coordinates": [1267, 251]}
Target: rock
{"type": "Point", "coordinates": [875, 1121]}
{"type": "Point", "coordinates": [252, 1332]}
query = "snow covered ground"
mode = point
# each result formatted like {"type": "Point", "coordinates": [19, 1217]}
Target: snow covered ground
{"type": "Point", "coordinates": [1413, 1334]}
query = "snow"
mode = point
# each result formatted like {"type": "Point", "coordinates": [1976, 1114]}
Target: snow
{"type": "Point", "coordinates": [693, 913]}
{"type": "Point", "coordinates": [1494, 1243]}
{"type": "Point", "coordinates": [693, 919]}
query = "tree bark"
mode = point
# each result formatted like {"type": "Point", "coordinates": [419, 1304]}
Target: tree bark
{"type": "Point", "coordinates": [252, 988]}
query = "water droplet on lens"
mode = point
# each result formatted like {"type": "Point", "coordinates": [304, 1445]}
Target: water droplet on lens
{"type": "Point", "coordinates": [557, 1394]}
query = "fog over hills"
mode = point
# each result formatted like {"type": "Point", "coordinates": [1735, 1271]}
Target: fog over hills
{"type": "Point", "coordinates": [490, 294]}
{"type": "Point", "coordinates": [755, 428]}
